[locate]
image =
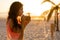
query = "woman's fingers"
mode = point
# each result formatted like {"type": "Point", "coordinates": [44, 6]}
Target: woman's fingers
{"type": "Point", "coordinates": [19, 19]}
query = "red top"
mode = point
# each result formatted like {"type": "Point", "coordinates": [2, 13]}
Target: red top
{"type": "Point", "coordinates": [11, 34]}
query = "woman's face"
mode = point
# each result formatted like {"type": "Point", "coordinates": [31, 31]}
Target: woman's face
{"type": "Point", "coordinates": [20, 11]}
{"type": "Point", "coordinates": [19, 14]}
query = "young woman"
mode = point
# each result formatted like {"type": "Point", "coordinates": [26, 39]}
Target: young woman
{"type": "Point", "coordinates": [15, 26]}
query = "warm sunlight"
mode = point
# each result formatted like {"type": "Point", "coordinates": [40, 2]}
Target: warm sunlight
{"type": "Point", "coordinates": [56, 1]}
{"type": "Point", "coordinates": [33, 6]}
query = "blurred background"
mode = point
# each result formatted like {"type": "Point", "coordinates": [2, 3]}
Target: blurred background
{"type": "Point", "coordinates": [34, 7]}
{"type": "Point", "coordinates": [38, 28]}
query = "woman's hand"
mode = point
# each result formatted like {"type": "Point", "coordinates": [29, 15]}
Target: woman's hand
{"type": "Point", "coordinates": [19, 19]}
{"type": "Point", "coordinates": [25, 20]}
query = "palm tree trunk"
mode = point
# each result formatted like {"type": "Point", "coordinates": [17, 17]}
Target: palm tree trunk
{"type": "Point", "coordinates": [57, 23]}
{"type": "Point", "coordinates": [56, 20]}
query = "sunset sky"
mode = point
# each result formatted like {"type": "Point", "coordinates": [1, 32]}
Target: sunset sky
{"type": "Point", "coordinates": [33, 6]}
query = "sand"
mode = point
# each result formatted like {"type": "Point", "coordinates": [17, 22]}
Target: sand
{"type": "Point", "coordinates": [35, 30]}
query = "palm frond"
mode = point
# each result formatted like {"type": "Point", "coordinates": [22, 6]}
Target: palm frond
{"type": "Point", "coordinates": [50, 13]}
{"type": "Point", "coordinates": [52, 2]}
{"type": "Point", "coordinates": [45, 12]}
{"type": "Point", "coordinates": [48, 1]}
{"type": "Point", "coordinates": [59, 9]}
{"type": "Point", "coordinates": [45, 1]}
{"type": "Point", "coordinates": [58, 4]}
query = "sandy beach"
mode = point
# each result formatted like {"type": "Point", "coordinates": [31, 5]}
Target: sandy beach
{"type": "Point", "coordinates": [35, 30]}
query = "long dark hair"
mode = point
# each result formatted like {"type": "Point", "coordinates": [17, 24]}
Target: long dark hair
{"type": "Point", "coordinates": [13, 13]}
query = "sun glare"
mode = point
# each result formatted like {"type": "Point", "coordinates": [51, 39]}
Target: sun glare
{"type": "Point", "coordinates": [35, 7]}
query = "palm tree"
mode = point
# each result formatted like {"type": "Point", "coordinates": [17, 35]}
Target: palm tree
{"type": "Point", "coordinates": [48, 1]}
{"type": "Point", "coordinates": [54, 8]}
{"type": "Point", "coordinates": [44, 14]}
